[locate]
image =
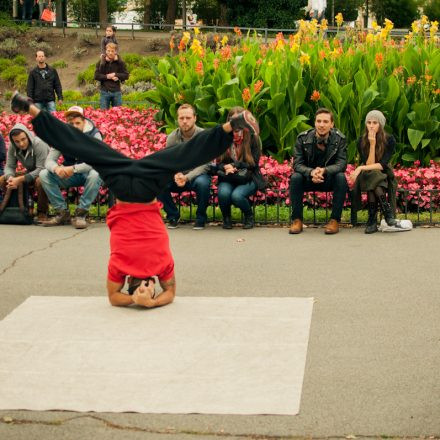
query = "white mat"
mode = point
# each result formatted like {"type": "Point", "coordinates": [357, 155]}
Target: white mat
{"type": "Point", "coordinates": [197, 355]}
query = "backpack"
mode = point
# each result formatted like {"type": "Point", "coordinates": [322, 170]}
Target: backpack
{"type": "Point", "coordinates": [17, 206]}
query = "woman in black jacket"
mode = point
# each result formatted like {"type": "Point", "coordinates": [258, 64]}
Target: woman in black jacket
{"type": "Point", "coordinates": [239, 174]}
{"type": "Point", "coordinates": [374, 175]}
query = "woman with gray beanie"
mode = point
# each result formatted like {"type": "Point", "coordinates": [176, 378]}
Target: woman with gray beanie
{"type": "Point", "coordinates": [373, 175]}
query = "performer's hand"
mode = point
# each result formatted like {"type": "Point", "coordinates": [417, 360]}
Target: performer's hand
{"type": "Point", "coordinates": [13, 182]}
{"type": "Point", "coordinates": [60, 172]}
{"type": "Point", "coordinates": [317, 175]}
{"type": "Point", "coordinates": [230, 169]}
{"type": "Point", "coordinates": [355, 174]}
{"type": "Point", "coordinates": [68, 171]}
{"type": "Point", "coordinates": [144, 294]}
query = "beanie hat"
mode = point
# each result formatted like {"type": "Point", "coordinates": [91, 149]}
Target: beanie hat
{"type": "Point", "coordinates": [378, 116]}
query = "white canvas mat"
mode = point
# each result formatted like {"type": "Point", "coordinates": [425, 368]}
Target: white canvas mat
{"type": "Point", "coordinates": [198, 355]}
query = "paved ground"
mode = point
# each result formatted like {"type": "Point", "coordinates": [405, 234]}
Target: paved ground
{"type": "Point", "coordinates": [374, 351]}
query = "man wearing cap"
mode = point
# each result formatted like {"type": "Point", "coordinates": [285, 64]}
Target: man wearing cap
{"type": "Point", "coordinates": [71, 173]}
{"type": "Point", "coordinates": [319, 164]}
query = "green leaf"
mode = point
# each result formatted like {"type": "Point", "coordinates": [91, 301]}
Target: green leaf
{"type": "Point", "coordinates": [292, 125]}
{"type": "Point", "coordinates": [228, 103]}
{"type": "Point", "coordinates": [415, 136]}
{"type": "Point", "coordinates": [163, 66]}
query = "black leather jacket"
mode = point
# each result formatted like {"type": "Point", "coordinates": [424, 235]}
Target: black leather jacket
{"type": "Point", "coordinates": [335, 158]}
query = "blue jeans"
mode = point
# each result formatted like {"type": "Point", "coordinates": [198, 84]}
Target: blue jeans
{"type": "Point", "coordinates": [27, 9]}
{"type": "Point", "coordinates": [201, 185]}
{"type": "Point", "coordinates": [238, 195]}
{"type": "Point", "coordinates": [52, 184]}
{"type": "Point", "coordinates": [107, 98]}
{"type": "Point", "coordinates": [299, 184]}
{"type": "Point", "coordinates": [49, 106]}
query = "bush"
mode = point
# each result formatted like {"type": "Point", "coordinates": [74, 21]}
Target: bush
{"type": "Point", "coordinates": [9, 48]}
{"type": "Point", "coordinates": [132, 58]}
{"type": "Point", "coordinates": [20, 60]}
{"type": "Point", "coordinates": [72, 95]}
{"type": "Point", "coordinates": [60, 64]}
{"type": "Point", "coordinates": [9, 74]}
{"type": "Point", "coordinates": [86, 40]}
{"type": "Point", "coordinates": [20, 81]}
{"type": "Point", "coordinates": [41, 45]}
{"type": "Point", "coordinates": [4, 63]}
{"type": "Point", "coordinates": [39, 34]}
{"type": "Point", "coordinates": [8, 32]}
{"type": "Point", "coordinates": [78, 52]}
{"type": "Point", "coordinates": [156, 44]}
{"type": "Point", "coordinates": [140, 74]}
{"type": "Point", "coordinates": [90, 90]}
{"type": "Point", "coordinates": [87, 76]}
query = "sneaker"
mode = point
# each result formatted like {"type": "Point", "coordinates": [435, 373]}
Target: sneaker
{"type": "Point", "coordinates": [20, 103]}
{"type": "Point", "coordinates": [40, 218]}
{"type": "Point", "coordinates": [79, 220]}
{"type": "Point", "coordinates": [245, 120]}
{"type": "Point", "coordinates": [173, 223]}
{"type": "Point", "coordinates": [199, 225]}
{"type": "Point", "coordinates": [61, 218]}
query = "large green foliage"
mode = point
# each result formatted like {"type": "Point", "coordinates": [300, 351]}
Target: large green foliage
{"type": "Point", "coordinates": [349, 9]}
{"type": "Point", "coordinates": [88, 10]}
{"type": "Point", "coordinates": [432, 10]}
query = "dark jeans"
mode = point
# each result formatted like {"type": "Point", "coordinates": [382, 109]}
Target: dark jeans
{"type": "Point", "coordinates": [110, 98]}
{"type": "Point", "coordinates": [200, 185]}
{"type": "Point", "coordinates": [238, 195]}
{"type": "Point", "coordinates": [299, 184]}
{"type": "Point", "coordinates": [132, 180]}
{"type": "Point", "coordinates": [27, 9]}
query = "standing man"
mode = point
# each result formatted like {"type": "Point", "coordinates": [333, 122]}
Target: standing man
{"type": "Point", "coordinates": [196, 179]}
{"type": "Point", "coordinates": [319, 164]}
{"type": "Point", "coordinates": [111, 71]}
{"type": "Point", "coordinates": [43, 83]}
{"type": "Point", "coordinates": [317, 8]}
{"type": "Point", "coordinates": [73, 172]}
{"type": "Point", "coordinates": [31, 152]}
{"type": "Point", "coordinates": [27, 7]}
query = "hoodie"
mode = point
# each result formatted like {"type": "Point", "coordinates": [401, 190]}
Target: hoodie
{"type": "Point", "coordinates": [80, 167]}
{"type": "Point", "coordinates": [32, 159]}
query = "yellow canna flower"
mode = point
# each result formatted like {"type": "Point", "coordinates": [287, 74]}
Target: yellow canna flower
{"type": "Point", "coordinates": [388, 24]}
{"type": "Point", "coordinates": [294, 47]}
{"type": "Point", "coordinates": [224, 40]}
{"type": "Point", "coordinates": [304, 58]}
{"type": "Point", "coordinates": [369, 38]}
{"type": "Point", "coordinates": [375, 26]}
{"type": "Point", "coordinates": [424, 20]}
{"type": "Point", "coordinates": [415, 27]}
{"type": "Point", "coordinates": [339, 19]}
{"type": "Point", "coordinates": [324, 25]}
{"type": "Point", "coordinates": [434, 28]}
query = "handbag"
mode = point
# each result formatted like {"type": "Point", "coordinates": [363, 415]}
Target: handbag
{"type": "Point", "coordinates": [241, 177]}
{"type": "Point", "coordinates": [17, 206]}
{"type": "Point", "coordinates": [47, 15]}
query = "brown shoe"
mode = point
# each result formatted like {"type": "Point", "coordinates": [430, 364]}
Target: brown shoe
{"type": "Point", "coordinates": [332, 227]}
{"type": "Point", "coordinates": [40, 218]}
{"type": "Point", "coordinates": [296, 227]}
{"type": "Point", "coordinates": [79, 221]}
{"type": "Point", "coordinates": [61, 218]}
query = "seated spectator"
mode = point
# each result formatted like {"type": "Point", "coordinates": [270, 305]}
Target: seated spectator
{"type": "Point", "coordinates": [319, 164]}
{"type": "Point", "coordinates": [374, 174]}
{"type": "Point", "coordinates": [2, 154]}
{"type": "Point", "coordinates": [111, 71]}
{"type": "Point", "coordinates": [31, 152]}
{"type": "Point", "coordinates": [110, 37]}
{"type": "Point", "coordinates": [71, 173]}
{"type": "Point", "coordinates": [239, 174]}
{"type": "Point", "coordinates": [196, 179]}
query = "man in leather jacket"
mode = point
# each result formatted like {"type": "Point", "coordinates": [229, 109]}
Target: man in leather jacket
{"type": "Point", "coordinates": [320, 159]}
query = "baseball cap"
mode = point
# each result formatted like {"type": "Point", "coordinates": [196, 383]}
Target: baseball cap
{"type": "Point", "coordinates": [76, 110]}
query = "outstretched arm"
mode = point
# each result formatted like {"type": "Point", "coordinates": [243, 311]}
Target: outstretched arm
{"type": "Point", "coordinates": [115, 296]}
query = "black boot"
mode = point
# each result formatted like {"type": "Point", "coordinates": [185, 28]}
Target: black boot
{"type": "Point", "coordinates": [20, 103]}
{"type": "Point", "coordinates": [248, 221]}
{"type": "Point", "coordinates": [227, 222]}
{"type": "Point", "coordinates": [387, 212]}
{"type": "Point", "coordinates": [371, 227]}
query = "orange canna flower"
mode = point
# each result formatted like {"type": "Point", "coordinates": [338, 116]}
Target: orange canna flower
{"type": "Point", "coordinates": [199, 68]}
{"type": "Point", "coordinates": [428, 77]}
{"type": "Point", "coordinates": [225, 53]}
{"type": "Point", "coordinates": [411, 80]}
{"type": "Point", "coordinates": [322, 54]}
{"type": "Point", "coordinates": [258, 86]}
{"type": "Point", "coordinates": [182, 45]}
{"type": "Point", "coordinates": [216, 63]}
{"type": "Point", "coordinates": [172, 45]}
{"type": "Point", "coordinates": [316, 96]}
{"type": "Point", "coordinates": [237, 31]}
{"type": "Point", "coordinates": [378, 59]}
{"type": "Point", "coordinates": [436, 92]}
{"type": "Point", "coordinates": [246, 95]}
{"type": "Point", "coordinates": [216, 38]}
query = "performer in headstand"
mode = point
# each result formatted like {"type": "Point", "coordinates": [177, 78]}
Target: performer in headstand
{"type": "Point", "coordinates": [139, 244]}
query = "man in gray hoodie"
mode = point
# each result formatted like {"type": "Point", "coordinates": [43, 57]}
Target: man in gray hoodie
{"type": "Point", "coordinates": [31, 152]}
{"type": "Point", "coordinates": [71, 173]}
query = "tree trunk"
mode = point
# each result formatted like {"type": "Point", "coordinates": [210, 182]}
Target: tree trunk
{"type": "Point", "coordinates": [171, 11]}
{"type": "Point", "coordinates": [147, 11]}
{"type": "Point", "coordinates": [223, 14]}
{"type": "Point", "coordinates": [103, 14]}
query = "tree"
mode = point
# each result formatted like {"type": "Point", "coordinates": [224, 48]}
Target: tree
{"type": "Point", "coordinates": [171, 12]}
{"type": "Point", "coordinates": [264, 13]}
{"type": "Point", "coordinates": [432, 10]}
{"type": "Point", "coordinates": [349, 9]}
{"type": "Point", "coordinates": [88, 10]}
{"type": "Point", "coordinates": [208, 11]}
{"type": "Point", "coordinates": [103, 14]}
{"type": "Point", "coordinates": [401, 12]}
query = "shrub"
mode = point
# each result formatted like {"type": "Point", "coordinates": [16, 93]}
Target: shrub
{"type": "Point", "coordinates": [156, 44]}
{"type": "Point", "coordinates": [11, 72]}
{"type": "Point", "coordinates": [8, 32]}
{"type": "Point", "coordinates": [9, 48]}
{"type": "Point", "coordinates": [20, 60]}
{"type": "Point", "coordinates": [132, 58]}
{"type": "Point", "coordinates": [72, 95]}
{"type": "Point", "coordinates": [87, 76]}
{"type": "Point", "coordinates": [90, 89]}
{"type": "Point", "coordinates": [140, 74]}
{"type": "Point", "coordinates": [4, 63]}
{"type": "Point", "coordinates": [39, 35]}
{"type": "Point", "coordinates": [78, 52]}
{"type": "Point", "coordinates": [41, 45]}
{"type": "Point", "coordinates": [60, 64]}
{"type": "Point", "coordinates": [86, 40]}
{"type": "Point", "coordinates": [20, 81]}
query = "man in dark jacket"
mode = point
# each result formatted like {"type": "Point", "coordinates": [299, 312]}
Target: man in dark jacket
{"type": "Point", "coordinates": [111, 71]}
{"type": "Point", "coordinates": [31, 152]}
{"type": "Point", "coordinates": [319, 164]}
{"type": "Point", "coordinates": [43, 83]}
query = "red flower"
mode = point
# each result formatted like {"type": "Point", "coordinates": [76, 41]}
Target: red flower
{"type": "Point", "coordinates": [246, 95]}
{"type": "Point", "coordinates": [316, 96]}
{"type": "Point", "coordinates": [258, 86]}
